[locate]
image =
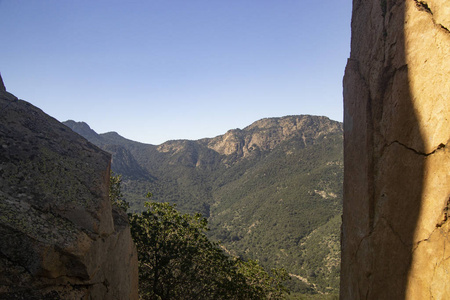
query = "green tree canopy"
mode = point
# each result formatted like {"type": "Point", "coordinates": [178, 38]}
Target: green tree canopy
{"type": "Point", "coordinates": [177, 261]}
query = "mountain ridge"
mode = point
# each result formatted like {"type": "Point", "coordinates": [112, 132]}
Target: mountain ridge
{"type": "Point", "coordinates": [265, 189]}
{"type": "Point", "coordinates": [85, 130]}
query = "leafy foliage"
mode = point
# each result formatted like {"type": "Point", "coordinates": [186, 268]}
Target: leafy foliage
{"type": "Point", "coordinates": [177, 261]}
{"type": "Point", "coordinates": [115, 192]}
{"type": "Point", "coordinates": [264, 285]}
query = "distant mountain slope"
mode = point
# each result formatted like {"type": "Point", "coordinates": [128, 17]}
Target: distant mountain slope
{"type": "Point", "coordinates": [271, 191]}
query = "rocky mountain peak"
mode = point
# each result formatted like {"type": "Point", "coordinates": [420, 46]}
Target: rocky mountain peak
{"type": "Point", "coordinates": [4, 94]}
{"type": "Point", "coordinates": [266, 134]}
{"type": "Point", "coordinates": [84, 130]}
{"type": "Point", "coordinates": [81, 128]}
{"type": "Point", "coordinates": [2, 85]}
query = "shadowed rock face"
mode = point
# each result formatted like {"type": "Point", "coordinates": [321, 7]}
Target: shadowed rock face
{"type": "Point", "coordinates": [60, 237]}
{"type": "Point", "coordinates": [395, 242]}
{"type": "Point", "coordinates": [2, 85]}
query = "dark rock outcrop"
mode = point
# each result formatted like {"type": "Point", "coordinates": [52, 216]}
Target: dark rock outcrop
{"type": "Point", "coordinates": [395, 240]}
{"type": "Point", "coordinates": [2, 85]}
{"type": "Point", "coordinates": [61, 239]}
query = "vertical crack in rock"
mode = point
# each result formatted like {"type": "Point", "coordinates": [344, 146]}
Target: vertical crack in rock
{"type": "Point", "coordinates": [383, 4]}
{"type": "Point", "coordinates": [359, 244]}
{"type": "Point", "coordinates": [354, 261]}
{"type": "Point", "coordinates": [371, 165]}
{"type": "Point", "coordinates": [445, 213]}
{"type": "Point", "coordinates": [395, 232]}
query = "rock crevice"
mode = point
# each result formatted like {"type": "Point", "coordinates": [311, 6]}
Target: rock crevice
{"type": "Point", "coordinates": [440, 146]}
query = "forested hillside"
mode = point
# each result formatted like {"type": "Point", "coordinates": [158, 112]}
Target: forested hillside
{"type": "Point", "coordinates": [271, 191]}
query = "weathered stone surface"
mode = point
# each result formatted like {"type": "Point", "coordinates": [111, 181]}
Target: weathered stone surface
{"type": "Point", "coordinates": [267, 133]}
{"type": "Point", "coordinates": [397, 164]}
{"type": "Point", "coordinates": [60, 237]}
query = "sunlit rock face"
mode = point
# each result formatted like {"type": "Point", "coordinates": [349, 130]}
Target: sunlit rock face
{"type": "Point", "coordinates": [395, 240]}
{"type": "Point", "coordinates": [60, 237]}
{"type": "Point", "coordinates": [267, 133]}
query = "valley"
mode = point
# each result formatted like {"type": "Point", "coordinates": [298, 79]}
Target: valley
{"type": "Point", "coordinates": [271, 191]}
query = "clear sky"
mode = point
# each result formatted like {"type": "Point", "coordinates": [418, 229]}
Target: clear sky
{"type": "Point", "coordinates": [156, 70]}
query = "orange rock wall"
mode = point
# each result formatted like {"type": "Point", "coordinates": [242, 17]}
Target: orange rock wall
{"type": "Point", "coordinates": [395, 242]}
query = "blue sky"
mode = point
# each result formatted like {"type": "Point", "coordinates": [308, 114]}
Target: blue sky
{"type": "Point", "coordinates": [156, 70]}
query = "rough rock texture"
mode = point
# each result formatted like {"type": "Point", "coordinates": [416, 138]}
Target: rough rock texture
{"type": "Point", "coordinates": [267, 133]}
{"type": "Point", "coordinates": [60, 237]}
{"type": "Point", "coordinates": [395, 240]}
